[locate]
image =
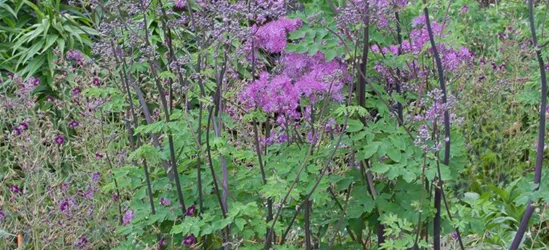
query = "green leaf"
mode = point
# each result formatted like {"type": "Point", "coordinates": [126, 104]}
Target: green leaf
{"type": "Point", "coordinates": [394, 154]}
{"type": "Point", "coordinates": [330, 54]}
{"type": "Point", "coordinates": [398, 141]}
{"type": "Point", "coordinates": [369, 150]}
{"type": "Point", "coordinates": [239, 222]}
{"type": "Point", "coordinates": [354, 126]}
{"type": "Point", "coordinates": [50, 39]}
{"type": "Point", "coordinates": [298, 34]}
{"type": "Point", "coordinates": [380, 168]}
{"type": "Point", "coordinates": [3, 5]}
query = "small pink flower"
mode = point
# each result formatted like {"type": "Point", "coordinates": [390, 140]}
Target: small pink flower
{"type": "Point", "coordinates": [190, 211]}
{"type": "Point", "coordinates": [98, 156]}
{"type": "Point", "coordinates": [59, 139]}
{"type": "Point", "coordinates": [73, 124]}
{"type": "Point", "coordinates": [165, 201]}
{"type": "Point", "coordinates": [96, 81]}
{"type": "Point", "coordinates": [24, 125]}
{"type": "Point", "coordinates": [76, 91]}
{"type": "Point", "coordinates": [128, 217]}
{"type": "Point", "coordinates": [180, 4]}
{"type": "Point", "coordinates": [189, 240]}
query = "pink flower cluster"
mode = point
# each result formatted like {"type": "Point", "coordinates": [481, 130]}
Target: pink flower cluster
{"type": "Point", "coordinates": [272, 35]}
{"type": "Point", "coordinates": [302, 77]}
{"type": "Point", "coordinates": [419, 37]}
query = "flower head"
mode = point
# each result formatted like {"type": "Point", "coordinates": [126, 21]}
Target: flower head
{"type": "Point", "coordinates": [272, 35]}
{"type": "Point", "coordinates": [15, 189]}
{"type": "Point", "coordinates": [190, 210]}
{"type": "Point", "coordinates": [73, 124]}
{"type": "Point", "coordinates": [64, 206]}
{"type": "Point", "coordinates": [76, 91]}
{"type": "Point", "coordinates": [96, 81]}
{"type": "Point", "coordinates": [98, 155]}
{"type": "Point", "coordinates": [189, 240]}
{"type": "Point", "coordinates": [75, 55]}
{"type": "Point", "coordinates": [2, 215]}
{"type": "Point", "coordinates": [161, 243]}
{"type": "Point", "coordinates": [17, 130]}
{"type": "Point", "coordinates": [24, 125]}
{"type": "Point", "coordinates": [165, 201]}
{"type": "Point", "coordinates": [81, 242]}
{"type": "Point", "coordinates": [96, 177]}
{"type": "Point", "coordinates": [128, 217]}
{"type": "Point", "coordinates": [180, 4]}
{"type": "Point", "coordinates": [59, 139]}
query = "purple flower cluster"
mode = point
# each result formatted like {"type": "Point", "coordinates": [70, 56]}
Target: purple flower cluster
{"type": "Point", "coordinates": [180, 3]}
{"type": "Point", "coordinates": [81, 242]}
{"type": "Point", "coordinates": [15, 189]}
{"type": "Point", "coordinates": [23, 126]}
{"type": "Point", "coordinates": [419, 38]}
{"type": "Point", "coordinates": [128, 217]}
{"type": "Point", "coordinates": [381, 12]}
{"type": "Point", "coordinates": [24, 92]}
{"type": "Point", "coordinates": [67, 205]}
{"type": "Point", "coordinates": [75, 55]}
{"type": "Point", "coordinates": [302, 76]}
{"type": "Point", "coordinates": [272, 35]}
{"type": "Point", "coordinates": [434, 113]}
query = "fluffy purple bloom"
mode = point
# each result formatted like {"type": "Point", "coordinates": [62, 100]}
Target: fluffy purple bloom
{"type": "Point", "coordinates": [2, 215]}
{"type": "Point", "coordinates": [73, 124]}
{"type": "Point", "coordinates": [189, 240]}
{"type": "Point", "coordinates": [165, 201]}
{"type": "Point", "coordinates": [272, 95]}
{"type": "Point", "coordinates": [303, 76]}
{"type": "Point", "coordinates": [59, 139]}
{"type": "Point", "coordinates": [128, 217]}
{"type": "Point", "coordinates": [180, 4]}
{"type": "Point", "coordinates": [190, 210]}
{"type": "Point", "coordinates": [272, 35]}
{"type": "Point", "coordinates": [115, 197]}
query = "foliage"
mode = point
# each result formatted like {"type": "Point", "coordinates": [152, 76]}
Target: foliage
{"type": "Point", "coordinates": [268, 124]}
